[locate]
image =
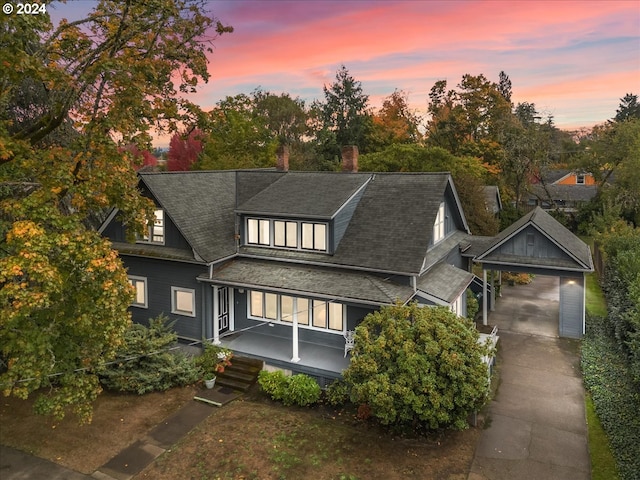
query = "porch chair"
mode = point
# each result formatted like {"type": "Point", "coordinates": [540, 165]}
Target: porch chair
{"type": "Point", "coordinates": [349, 338]}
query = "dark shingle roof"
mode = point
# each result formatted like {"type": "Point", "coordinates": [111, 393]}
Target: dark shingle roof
{"type": "Point", "coordinates": [392, 225]}
{"type": "Point", "coordinates": [577, 251]}
{"type": "Point", "coordinates": [571, 193]}
{"type": "Point", "coordinates": [299, 279]}
{"type": "Point", "coordinates": [201, 205]}
{"type": "Point", "coordinates": [444, 282]}
{"type": "Point", "coordinates": [305, 194]}
{"type": "Point", "coordinates": [390, 229]}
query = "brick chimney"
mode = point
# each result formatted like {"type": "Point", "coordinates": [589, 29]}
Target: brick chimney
{"type": "Point", "coordinates": [282, 155]}
{"type": "Point", "coordinates": [349, 155]}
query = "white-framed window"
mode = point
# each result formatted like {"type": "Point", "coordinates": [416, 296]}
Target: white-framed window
{"type": "Point", "coordinates": [314, 236]}
{"type": "Point", "coordinates": [183, 301]}
{"type": "Point", "coordinates": [155, 231]}
{"type": "Point", "coordinates": [456, 306]}
{"type": "Point", "coordinates": [285, 234]}
{"type": "Point", "coordinates": [140, 285]}
{"type": "Point", "coordinates": [314, 314]}
{"type": "Point", "coordinates": [290, 234]}
{"type": "Point", "coordinates": [580, 178]}
{"type": "Point", "coordinates": [438, 225]}
{"type": "Point", "coordinates": [258, 231]}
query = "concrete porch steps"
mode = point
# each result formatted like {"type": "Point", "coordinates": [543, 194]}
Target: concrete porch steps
{"type": "Point", "coordinates": [241, 374]}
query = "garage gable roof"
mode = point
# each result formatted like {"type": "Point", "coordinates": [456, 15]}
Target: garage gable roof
{"type": "Point", "coordinates": [575, 249]}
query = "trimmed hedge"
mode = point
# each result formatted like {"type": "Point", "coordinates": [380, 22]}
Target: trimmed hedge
{"type": "Point", "coordinates": [297, 389]}
{"type": "Point", "coordinates": [615, 396]}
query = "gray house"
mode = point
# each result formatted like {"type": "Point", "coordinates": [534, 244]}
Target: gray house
{"type": "Point", "coordinates": [279, 265]}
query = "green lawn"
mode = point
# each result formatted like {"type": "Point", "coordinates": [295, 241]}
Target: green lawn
{"type": "Point", "coordinates": [596, 304]}
{"type": "Point", "coordinates": [603, 465]}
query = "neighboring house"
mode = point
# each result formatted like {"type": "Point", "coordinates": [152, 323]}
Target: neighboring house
{"type": "Point", "coordinates": [564, 190]}
{"type": "Point", "coordinates": [279, 265]}
{"type": "Point", "coordinates": [492, 200]}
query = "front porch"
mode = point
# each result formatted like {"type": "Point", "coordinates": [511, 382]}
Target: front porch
{"type": "Point", "coordinates": [320, 361]}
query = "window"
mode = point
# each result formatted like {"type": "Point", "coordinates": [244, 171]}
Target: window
{"type": "Point", "coordinates": [531, 239]}
{"type": "Point", "coordinates": [285, 234]}
{"type": "Point", "coordinates": [438, 226]}
{"type": "Point", "coordinates": [140, 284]}
{"type": "Point", "coordinates": [258, 231]}
{"type": "Point", "coordinates": [155, 233]}
{"type": "Point", "coordinates": [314, 236]}
{"type": "Point", "coordinates": [183, 301]}
{"type": "Point", "coordinates": [580, 178]}
{"type": "Point", "coordinates": [317, 314]}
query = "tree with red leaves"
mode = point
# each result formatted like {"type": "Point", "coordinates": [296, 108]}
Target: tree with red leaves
{"type": "Point", "coordinates": [141, 158]}
{"type": "Point", "coordinates": [183, 152]}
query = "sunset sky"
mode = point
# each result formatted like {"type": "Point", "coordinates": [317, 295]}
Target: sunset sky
{"type": "Point", "coordinates": [573, 59]}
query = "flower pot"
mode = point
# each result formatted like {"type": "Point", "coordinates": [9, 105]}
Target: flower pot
{"type": "Point", "coordinates": [210, 383]}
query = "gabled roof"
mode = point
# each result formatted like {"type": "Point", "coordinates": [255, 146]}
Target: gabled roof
{"type": "Point", "coordinates": [201, 205]}
{"type": "Point", "coordinates": [305, 194]}
{"type": "Point", "coordinates": [393, 224]}
{"type": "Point", "coordinates": [577, 252]}
{"type": "Point", "coordinates": [389, 231]}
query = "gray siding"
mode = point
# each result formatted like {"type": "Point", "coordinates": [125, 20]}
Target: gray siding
{"type": "Point", "coordinates": [533, 244]}
{"type": "Point", "coordinates": [342, 219]}
{"type": "Point", "coordinates": [161, 275]}
{"type": "Point", "coordinates": [571, 307]}
{"type": "Point", "coordinates": [116, 232]}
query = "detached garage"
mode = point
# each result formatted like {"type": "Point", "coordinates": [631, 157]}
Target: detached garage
{"type": "Point", "coordinates": [540, 245]}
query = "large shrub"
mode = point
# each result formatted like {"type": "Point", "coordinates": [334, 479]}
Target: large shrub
{"type": "Point", "coordinates": [616, 398]}
{"type": "Point", "coordinates": [145, 364]}
{"type": "Point", "coordinates": [418, 367]}
{"type": "Point", "coordinates": [622, 289]}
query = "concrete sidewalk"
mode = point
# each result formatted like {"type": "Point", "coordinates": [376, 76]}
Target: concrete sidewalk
{"type": "Point", "coordinates": [536, 422]}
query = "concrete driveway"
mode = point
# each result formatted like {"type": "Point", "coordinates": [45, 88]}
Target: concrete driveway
{"type": "Point", "coordinates": [536, 422]}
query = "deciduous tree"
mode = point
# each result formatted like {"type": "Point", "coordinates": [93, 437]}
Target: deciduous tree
{"type": "Point", "coordinates": [110, 78]}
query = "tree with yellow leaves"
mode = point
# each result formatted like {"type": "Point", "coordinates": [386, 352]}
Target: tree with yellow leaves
{"type": "Point", "coordinates": [71, 97]}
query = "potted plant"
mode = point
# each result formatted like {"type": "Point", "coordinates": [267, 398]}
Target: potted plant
{"type": "Point", "coordinates": [213, 360]}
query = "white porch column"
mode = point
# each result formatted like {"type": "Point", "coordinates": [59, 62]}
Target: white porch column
{"type": "Point", "coordinates": [216, 314]}
{"type": "Point", "coordinates": [294, 335]}
{"type": "Point", "coordinates": [232, 309]}
{"type": "Point", "coordinates": [500, 283]}
{"type": "Point", "coordinates": [493, 290]}
{"type": "Point", "coordinates": [484, 297]}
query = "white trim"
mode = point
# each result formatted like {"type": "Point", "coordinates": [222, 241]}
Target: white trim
{"type": "Point", "coordinates": [278, 320]}
{"type": "Point", "coordinates": [132, 280]}
{"type": "Point", "coordinates": [185, 313]}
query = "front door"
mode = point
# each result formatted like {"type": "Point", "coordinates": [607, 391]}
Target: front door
{"type": "Point", "coordinates": [223, 309]}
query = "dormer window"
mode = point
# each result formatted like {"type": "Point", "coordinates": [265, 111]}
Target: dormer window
{"type": "Point", "coordinates": [289, 234]}
{"type": "Point", "coordinates": [258, 231]}
{"type": "Point", "coordinates": [285, 234]}
{"type": "Point", "coordinates": [580, 179]}
{"type": "Point", "coordinates": [155, 231]}
{"type": "Point", "coordinates": [314, 236]}
{"type": "Point", "coordinates": [438, 225]}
